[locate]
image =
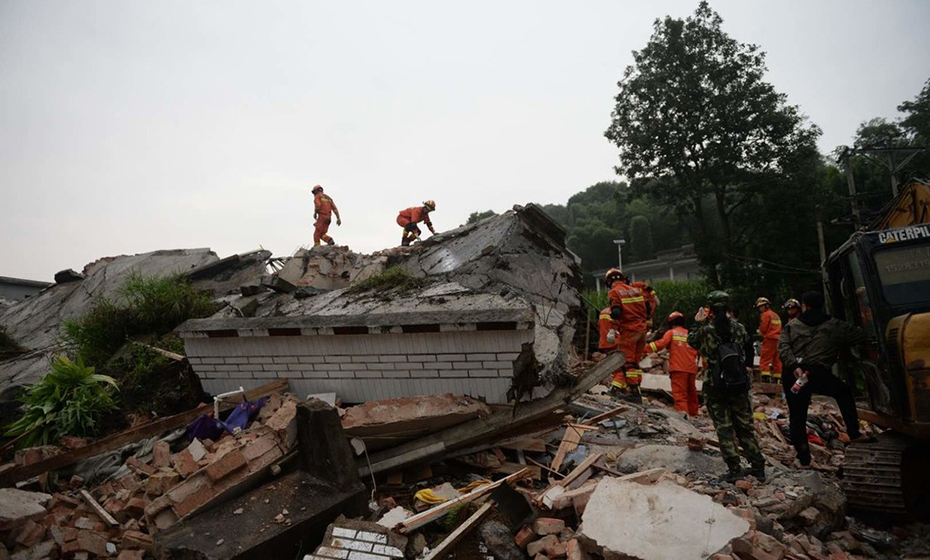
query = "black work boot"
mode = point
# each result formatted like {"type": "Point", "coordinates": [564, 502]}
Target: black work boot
{"type": "Point", "coordinates": [757, 471]}
{"type": "Point", "coordinates": [331, 241]}
{"type": "Point", "coordinates": [404, 242]}
{"type": "Point", "coordinates": [732, 475]}
{"type": "Point", "coordinates": [635, 395]}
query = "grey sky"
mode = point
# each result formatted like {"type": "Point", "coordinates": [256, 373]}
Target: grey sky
{"type": "Point", "coordinates": [132, 126]}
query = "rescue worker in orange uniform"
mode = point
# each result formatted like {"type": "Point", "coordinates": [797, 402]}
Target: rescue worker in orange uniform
{"type": "Point", "coordinates": [628, 307]}
{"type": "Point", "coordinates": [770, 329]}
{"type": "Point", "coordinates": [682, 363]}
{"type": "Point", "coordinates": [652, 298]}
{"type": "Point", "coordinates": [323, 210]}
{"type": "Point", "coordinates": [409, 218]}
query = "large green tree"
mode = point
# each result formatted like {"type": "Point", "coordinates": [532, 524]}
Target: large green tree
{"type": "Point", "coordinates": [701, 131]}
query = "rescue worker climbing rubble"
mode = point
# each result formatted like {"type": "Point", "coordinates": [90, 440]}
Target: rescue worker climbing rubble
{"type": "Point", "coordinates": [609, 342]}
{"type": "Point", "coordinates": [628, 307]}
{"type": "Point", "coordinates": [770, 329]}
{"type": "Point", "coordinates": [323, 209]}
{"type": "Point", "coordinates": [730, 410]}
{"type": "Point", "coordinates": [409, 218]}
{"type": "Point", "coordinates": [682, 364]}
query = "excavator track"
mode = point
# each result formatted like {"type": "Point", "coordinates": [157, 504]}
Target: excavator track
{"type": "Point", "coordinates": [873, 476]}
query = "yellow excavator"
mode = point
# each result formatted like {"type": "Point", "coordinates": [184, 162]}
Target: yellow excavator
{"type": "Point", "coordinates": [879, 279]}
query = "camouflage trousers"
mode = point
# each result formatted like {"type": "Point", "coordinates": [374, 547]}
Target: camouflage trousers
{"type": "Point", "coordinates": [732, 416]}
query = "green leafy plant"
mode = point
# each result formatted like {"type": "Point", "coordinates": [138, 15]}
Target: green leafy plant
{"type": "Point", "coordinates": [147, 305]}
{"type": "Point", "coordinates": [396, 277]}
{"type": "Point", "coordinates": [70, 400]}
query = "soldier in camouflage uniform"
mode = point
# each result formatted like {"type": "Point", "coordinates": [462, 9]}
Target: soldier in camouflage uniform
{"type": "Point", "coordinates": [731, 412]}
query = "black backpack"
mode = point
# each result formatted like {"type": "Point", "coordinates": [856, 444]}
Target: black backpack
{"type": "Point", "coordinates": [730, 370]}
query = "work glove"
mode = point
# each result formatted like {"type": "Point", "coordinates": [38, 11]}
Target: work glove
{"type": "Point", "coordinates": [701, 315]}
{"type": "Point", "coordinates": [612, 336]}
{"type": "Point", "coordinates": [338, 221]}
{"type": "Point", "coordinates": [615, 313]}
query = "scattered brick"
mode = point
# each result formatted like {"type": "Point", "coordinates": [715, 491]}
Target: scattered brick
{"type": "Point", "coordinates": [86, 541]}
{"type": "Point", "coordinates": [160, 483]}
{"type": "Point", "coordinates": [161, 454]}
{"type": "Point", "coordinates": [536, 547]}
{"type": "Point", "coordinates": [548, 526]}
{"type": "Point", "coordinates": [136, 540]}
{"type": "Point", "coordinates": [525, 536]}
{"type": "Point", "coordinates": [140, 467]}
{"type": "Point", "coordinates": [226, 464]}
{"type": "Point", "coordinates": [131, 555]}
{"type": "Point", "coordinates": [184, 463]}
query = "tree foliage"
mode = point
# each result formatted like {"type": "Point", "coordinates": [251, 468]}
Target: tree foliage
{"type": "Point", "coordinates": [476, 217]}
{"type": "Point", "coordinates": [701, 131]}
{"type": "Point", "coordinates": [641, 238]}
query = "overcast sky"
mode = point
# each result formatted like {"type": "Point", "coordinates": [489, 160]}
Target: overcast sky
{"type": "Point", "coordinates": [127, 127]}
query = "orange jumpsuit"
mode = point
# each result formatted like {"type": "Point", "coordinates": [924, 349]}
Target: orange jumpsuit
{"type": "Point", "coordinates": [409, 218]}
{"type": "Point", "coordinates": [323, 206]}
{"type": "Point", "coordinates": [632, 323]}
{"type": "Point", "coordinates": [651, 299]}
{"type": "Point", "coordinates": [770, 329]}
{"type": "Point", "coordinates": [604, 326]}
{"type": "Point", "coordinates": [682, 368]}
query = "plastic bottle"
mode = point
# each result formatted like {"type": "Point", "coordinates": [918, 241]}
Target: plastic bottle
{"type": "Point", "coordinates": [799, 383]}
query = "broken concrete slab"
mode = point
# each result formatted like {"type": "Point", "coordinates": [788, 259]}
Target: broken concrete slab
{"type": "Point", "coordinates": [674, 458]}
{"type": "Point", "coordinates": [68, 275]}
{"type": "Point", "coordinates": [19, 506]}
{"type": "Point", "coordinates": [672, 523]}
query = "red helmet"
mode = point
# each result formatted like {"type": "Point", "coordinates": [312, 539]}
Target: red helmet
{"type": "Point", "coordinates": [612, 275]}
{"type": "Point", "coordinates": [674, 315]}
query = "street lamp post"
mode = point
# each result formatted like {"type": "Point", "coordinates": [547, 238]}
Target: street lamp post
{"type": "Point", "coordinates": [620, 243]}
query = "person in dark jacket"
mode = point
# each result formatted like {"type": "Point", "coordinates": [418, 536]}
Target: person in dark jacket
{"type": "Point", "coordinates": [809, 346]}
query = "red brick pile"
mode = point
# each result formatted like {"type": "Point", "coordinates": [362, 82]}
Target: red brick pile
{"type": "Point", "coordinates": [153, 496]}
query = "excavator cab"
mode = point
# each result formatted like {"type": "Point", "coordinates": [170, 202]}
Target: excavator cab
{"type": "Point", "coordinates": [880, 280]}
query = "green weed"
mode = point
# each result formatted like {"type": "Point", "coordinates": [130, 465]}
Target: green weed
{"type": "Point", "coordinates": [396, 277]}
{"type": "Point", "coordinates": [70, 400]}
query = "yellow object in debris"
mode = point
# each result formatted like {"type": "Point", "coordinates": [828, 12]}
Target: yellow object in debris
{"type": "Point", "coordinates": [473, 485]}
{"type": "Point", "coordinates": [427, 496]}
{"type": "Point", "coordinates": [759, 416]}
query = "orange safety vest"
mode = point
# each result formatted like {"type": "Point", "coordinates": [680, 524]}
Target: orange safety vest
{"type": "Point", "coordinates": [770, 325]}
{"type": "Point", "coordinates": [323, 204]}
{"type": "Point", "coordinates": [633, 304]}
{"type": "Point", "coordinates": [415, 215]}
{"type": "Point", "coordinates": [681, 357]}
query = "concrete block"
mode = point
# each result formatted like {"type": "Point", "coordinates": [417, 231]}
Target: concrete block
{"type": "Point", "coordinates": [482, 373]}
{"type": "Point", "coordinates": [237, 360]}
{"type": "Point", "coordinates": [390, 374]}
{"type": "Point", "coordinates": [274, 367]}
{"type": "Point", "coordinates": [508, 356]}
{"type": "Point", "coordinates": [260, 360]}
{"type": "Point", "coordinates": [364, 359]}
{"type": "Point", "coordinates": [497, 365]}
{"type": "Point", "coordinates": [213, 360]}
{"type": "Point", "coordinates": [268, 374]}
{"type": "Point", "coordinates": [462, 365]}
{"type": "Point", "coordinates": [226, 367]}
{"type": "Point", "coordinates": [451, 357]}
{"type": "Point", "coordinates": [673, 523]}
{"type": "Point", "coordinates": [337, 359]}
{"type": "Point", "coordinates": [481, 357]}
{"type": "Point", "coordinates": [368, 374]}
{"type": "Point", "coordinates": [311, 359]}
{"type": "Point", "coordinates": [441, 365]}
{"type": "Point", "coordinates": [424, 373]}
{"type": "Point", "coordinates": [400, 358]}
{"type": "Point", "coordinates": [285, 359]}
{"type": "Point", "coordinates": [453, 373]}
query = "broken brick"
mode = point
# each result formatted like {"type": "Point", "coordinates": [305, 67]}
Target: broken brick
{"type": "Point", "coordinates": [136, 540]}
{"type": "Point", "coordinates": [194, 501]}
{"type": "Point", "coordinates": [556, 550]}
{"type": "Point", "coordinates": [131, 555]}
{"type": "Point", "coordinates": [89, 524]}
{"type": "Point", "coordinates": [87, 541]}
{"type": "Point", "coordinates": [184, 463]}
{"type": "Point", "coordinates": [161, 454]}
{"type": "Point", "coordinates": [525, 536]}
{"type": "Point", "coordinates": [160, 483]}
{"type": "Point", "coordinates": [548, 526]}
{"type": "Point", "coordinates": [30, 533]}
{"type": "Point", "coordinates": [573, 550]}
{"type": "Point", "coordinates": [226, 464]}
{"type": "Point", "coordinates": [135, 507]}
{"type": "Point", "coordinates": [539, 546]}
{"type": "Point", "coordinates": [140, 467]}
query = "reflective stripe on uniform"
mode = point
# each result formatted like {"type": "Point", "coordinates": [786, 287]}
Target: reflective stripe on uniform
{"type": "Point", "coordinates": [604, 316]}
{"type": "Point", "coordinates": [652, 347]}
{"type": "Point", "coordinates": [618, 384]}
{"type": "Point", "coordinates": [680, 338]}
{"type": "Point", "coordinates": [632, 299]}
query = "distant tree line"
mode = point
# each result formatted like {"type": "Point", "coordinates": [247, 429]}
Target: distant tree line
{"type": "Point", "coordinates": [715, 156]}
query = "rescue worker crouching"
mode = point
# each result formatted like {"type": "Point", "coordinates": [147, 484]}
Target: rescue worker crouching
{"type": "Point", "coordinates": [629, 309]}
{"type": "Point", "coordinates": [770, 329]}
{"type": "Point", "coordinates": [323, 209]}
{"type": "Point", "coordinates": [682, 364]}
{"type": "Point", "coordinates": [409, 218]}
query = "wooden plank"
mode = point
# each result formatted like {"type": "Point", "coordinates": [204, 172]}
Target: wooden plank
{"type": "Point", "coordinates": [509, 468]}
{"type": "Point", "coordinates": [98, 509]}
{"type": "Point", "coordinates": [531, 461]}
{"type": "Point", "coordinates": [570, 441]}
{"type": "Point", "coordinates": [587, 473]}
{"type": "Point", "coordinates": [115, 441]}
{"type": "Point", "coordinates": [487, 428]}
{"type": "Point", "coordinates": [581, 468]}
{"type": "Point", "coordinates": [432, 514]}
{"type": "Point", "coordinates": [601, 417]}
{"type": "Point", "coordinates": [534, 445]}
{"type": "Point", "coordinates": [776, 431]}
{"type": "Point", "coordinates": [454, 537]}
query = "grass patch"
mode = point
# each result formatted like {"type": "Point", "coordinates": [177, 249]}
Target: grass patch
{"type": "Point", "coordinates": [69, 400]}
{"type": "Point", "coordinates": [394, 278]}
{"type": "Point", "coordinates": [145, 305]}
